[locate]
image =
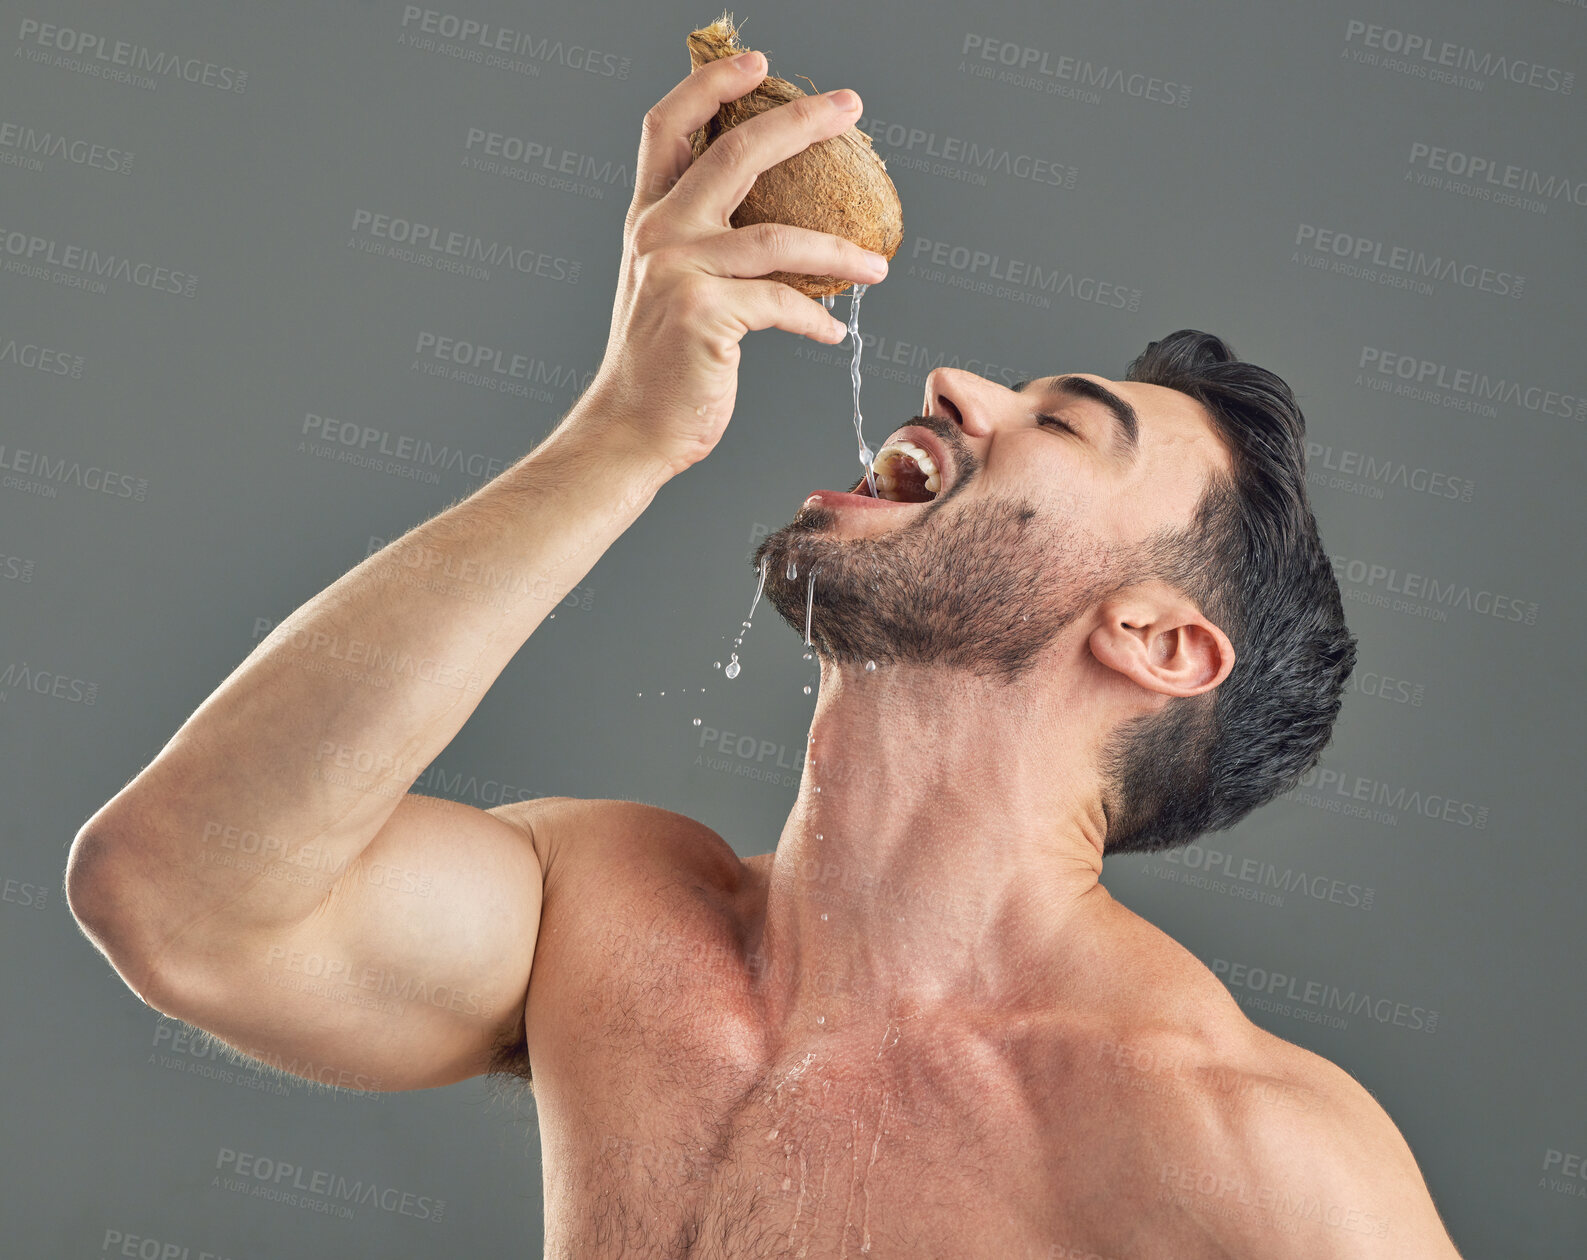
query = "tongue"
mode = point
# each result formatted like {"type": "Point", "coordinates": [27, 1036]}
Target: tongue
{"type": "Point", "coordinates": [909, 483]}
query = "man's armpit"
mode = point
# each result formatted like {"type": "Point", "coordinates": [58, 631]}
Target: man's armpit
{"type": "Point", "coordinates": [509, 1058]}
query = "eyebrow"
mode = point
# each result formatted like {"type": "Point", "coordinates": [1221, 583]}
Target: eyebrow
{"type": "Point", "coordinates": [1126, 423]}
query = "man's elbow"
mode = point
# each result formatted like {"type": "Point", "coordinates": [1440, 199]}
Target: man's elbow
{"type": "Point", "coordinates": [102, 898]}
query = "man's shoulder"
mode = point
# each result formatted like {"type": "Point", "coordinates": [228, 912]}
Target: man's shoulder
{"type": "Point", "coordinates": [575, 833]}
{"type": "Point", "coordinates": [1270, 1148]}
{"type": "Point", "coordinates": [1273, 1148]}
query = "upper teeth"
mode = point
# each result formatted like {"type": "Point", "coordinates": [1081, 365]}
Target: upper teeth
{"type": "Point", "coordinates": [921, 456]}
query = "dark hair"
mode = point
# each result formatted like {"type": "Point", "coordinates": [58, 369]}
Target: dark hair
{"type": "Point", "coordinates": [1253, 563]}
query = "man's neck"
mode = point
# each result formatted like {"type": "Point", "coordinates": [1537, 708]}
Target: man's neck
{"type": "Point", "coordinates": [943, 847]}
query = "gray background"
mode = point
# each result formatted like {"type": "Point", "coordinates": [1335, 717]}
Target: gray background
{"type": "Point", "coordinates": [124, 609]}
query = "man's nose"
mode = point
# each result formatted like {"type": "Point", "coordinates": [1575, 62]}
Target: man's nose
{"type": "Point", "coordinates": [972, 402]}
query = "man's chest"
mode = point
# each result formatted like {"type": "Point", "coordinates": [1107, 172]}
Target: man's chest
{"type": "Point", "coordinates": [672, 1125]}
{"type": "Point", "coordinates": [817, 1154]}
{"type": "Point", "coordinates": [676, 1119]}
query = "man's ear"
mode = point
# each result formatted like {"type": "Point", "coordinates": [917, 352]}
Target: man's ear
{"type": "Point", "coordinates": [1155, 636]}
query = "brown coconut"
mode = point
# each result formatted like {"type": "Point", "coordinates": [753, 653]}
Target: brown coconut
{"type": "Point", "coordinates": [838, 185]}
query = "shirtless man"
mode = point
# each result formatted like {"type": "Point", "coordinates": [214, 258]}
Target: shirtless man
{"type": "Point", "coordinates": [920, 1027]}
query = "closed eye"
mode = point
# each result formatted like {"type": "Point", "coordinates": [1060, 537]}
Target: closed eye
{"type": "Point", "coordinates": [1055, 420]}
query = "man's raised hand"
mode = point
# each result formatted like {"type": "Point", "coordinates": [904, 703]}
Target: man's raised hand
{"type": "Point", "coordinates": [687, 291]}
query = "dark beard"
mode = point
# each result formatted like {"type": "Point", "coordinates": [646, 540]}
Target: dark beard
{"type": "Point", "coordinates": [981, 586]}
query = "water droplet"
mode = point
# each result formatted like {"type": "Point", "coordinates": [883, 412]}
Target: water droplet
{"type": "Point", "coordinates": [810, 656]}
{"type": "Point", "coordinates": [639, 693]}
{"type": "Point", "coordinates": [663, 693]}
{"type": "Point", "coordinates": [758, 588]}
{"type": "Point", "coordinates": [823, 918]}
{"type": "Point", "coordinates": [553, 617]}
{"type": "Point", "coordinates": [821, 1019]}
{"type": "Point", "coordinates": [697, 721]}
{"type": "Point", "coordinates": [807, 689]}
{"type": "Point", "coordinates": [733, 666]}
{"type": "Point", "coordinates": [793, 568]}
{"type": "Point", "coordinates": [810, 596]}
{"type": "Point", "coordinates": [818, 789]}
{"type": "Point", "coordinates": [870, 667]}
{"type": "Point", "coordinates": [819, 836]}
{"type": "Point", "coordinates": [715, 665]}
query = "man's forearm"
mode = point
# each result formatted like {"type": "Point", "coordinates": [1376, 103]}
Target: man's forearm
{"type": "Point", "coordinates": [316, 736]}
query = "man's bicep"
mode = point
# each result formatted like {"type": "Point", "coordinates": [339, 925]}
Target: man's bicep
{"type": "Point", "coordinates": [411, 971]}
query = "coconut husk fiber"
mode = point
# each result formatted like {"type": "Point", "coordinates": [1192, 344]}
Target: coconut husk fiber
{"type": "Point", "coordinates": [838, 185]}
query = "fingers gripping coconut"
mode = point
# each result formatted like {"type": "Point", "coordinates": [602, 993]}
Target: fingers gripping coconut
{"type": "Point", "coordinates": [751, 200]}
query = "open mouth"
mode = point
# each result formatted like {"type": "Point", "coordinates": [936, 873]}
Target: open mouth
{"type": "Point", "coordinates": [905, 472]}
